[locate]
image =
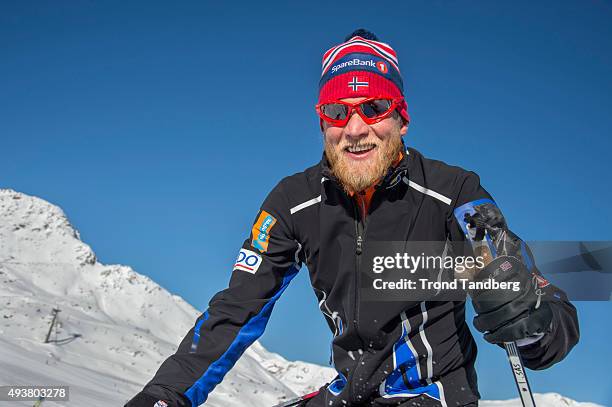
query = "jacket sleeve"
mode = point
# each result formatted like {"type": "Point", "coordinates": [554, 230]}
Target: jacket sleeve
{"type": "Point", "coordinates": [564, 334]}
{"type": "Point", "coordinates": [237, 315]}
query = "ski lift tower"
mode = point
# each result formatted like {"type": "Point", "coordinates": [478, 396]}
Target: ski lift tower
{"type": "Point", "coordinates": [55, 312]}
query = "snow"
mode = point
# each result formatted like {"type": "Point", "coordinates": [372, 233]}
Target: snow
{"type": "Point", "coordinates": [541, 400]}
{"type": "Point", "coordinates": [115, 325]}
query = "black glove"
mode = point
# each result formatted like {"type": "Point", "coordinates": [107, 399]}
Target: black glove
{"type": "Point", "coordinates": [505, 315]}
{"type": "Point", "coordinates": [145, 400]}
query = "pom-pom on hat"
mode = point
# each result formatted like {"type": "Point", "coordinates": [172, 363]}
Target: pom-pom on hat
{"type": "Point", "coordinates": [361, 66]}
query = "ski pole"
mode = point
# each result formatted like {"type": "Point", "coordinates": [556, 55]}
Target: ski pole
{"type": "Point", "coordinates": [520, 377]}
{"type": "Point", "coordinates": [516, 364]}
{"type": "Point", "coordinates": [297, 401]}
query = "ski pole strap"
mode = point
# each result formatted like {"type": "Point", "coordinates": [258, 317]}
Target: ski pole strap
{"type": "Point", "coordinates": [298, 400]}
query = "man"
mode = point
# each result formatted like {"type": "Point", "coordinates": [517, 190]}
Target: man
{"type": "Point", "coordinates": [368, 187]}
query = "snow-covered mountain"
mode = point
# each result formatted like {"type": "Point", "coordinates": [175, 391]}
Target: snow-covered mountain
{"type": "Point", "coordinates": [114, 327]}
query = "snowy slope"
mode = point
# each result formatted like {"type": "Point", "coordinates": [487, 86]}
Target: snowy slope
{"type": "Point", "coordinates": [111, 337]}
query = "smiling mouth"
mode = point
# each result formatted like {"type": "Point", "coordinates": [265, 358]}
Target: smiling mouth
{"type": "Point", "coordinates": [360, 149]}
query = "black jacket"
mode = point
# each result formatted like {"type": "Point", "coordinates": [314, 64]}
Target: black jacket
{"type": "Point", "coordinates": [383, 351]}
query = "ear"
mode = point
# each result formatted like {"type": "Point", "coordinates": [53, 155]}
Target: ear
{"type": "Point", "coordinates": [404, 127]}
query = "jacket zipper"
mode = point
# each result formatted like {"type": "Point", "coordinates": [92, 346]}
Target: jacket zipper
{"type": "Point", "coordinates": [359, 228]}
{"type": "Point", "coordinates": [358, 250]}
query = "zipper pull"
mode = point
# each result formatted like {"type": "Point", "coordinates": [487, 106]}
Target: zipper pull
{"type": "Point", "coordinates": [359, 240]}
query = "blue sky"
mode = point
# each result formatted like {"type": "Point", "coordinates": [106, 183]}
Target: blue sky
{"type": "Point", "coordinates": [160, 127]}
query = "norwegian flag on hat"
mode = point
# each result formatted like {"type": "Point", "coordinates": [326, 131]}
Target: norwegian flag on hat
{"type": "Point", "coordinates": [361, 66]}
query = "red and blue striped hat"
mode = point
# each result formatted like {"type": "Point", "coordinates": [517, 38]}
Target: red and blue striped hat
{"type": "Point", "coordinates": [361, 66]}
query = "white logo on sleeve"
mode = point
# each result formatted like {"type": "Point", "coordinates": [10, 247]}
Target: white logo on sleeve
{"type": "Point", "coordinates": [248, 261]}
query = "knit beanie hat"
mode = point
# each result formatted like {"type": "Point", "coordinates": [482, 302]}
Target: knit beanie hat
{"type": "Point", "coordinates": [361, 66]}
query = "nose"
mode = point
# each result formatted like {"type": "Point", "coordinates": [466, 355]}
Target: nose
{"type": "Point", "coordinates": [356, 128]}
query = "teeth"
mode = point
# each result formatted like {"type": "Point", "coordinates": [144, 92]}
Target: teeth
{"type": "Point", "coordinates": [360, 148]}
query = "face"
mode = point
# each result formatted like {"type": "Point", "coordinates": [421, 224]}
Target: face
{"type": "Point", "coordinates": [359, 153]}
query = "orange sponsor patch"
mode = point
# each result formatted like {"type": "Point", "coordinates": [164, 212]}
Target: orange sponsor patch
{"type": "Point", "coordinates": [261, 231]}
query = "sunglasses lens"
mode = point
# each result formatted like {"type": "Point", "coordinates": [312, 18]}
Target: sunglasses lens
{"type": "Point", "coordinates": [375, 108]}
{"type": "Point", "coordinates": [335, 111]}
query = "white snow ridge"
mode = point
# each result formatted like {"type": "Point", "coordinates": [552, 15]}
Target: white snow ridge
{"type": "Point", "coordinates": [115, 326]}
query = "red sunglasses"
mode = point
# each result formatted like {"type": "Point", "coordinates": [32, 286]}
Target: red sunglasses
{"type": "Point", "coordinates": [372, 110]}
